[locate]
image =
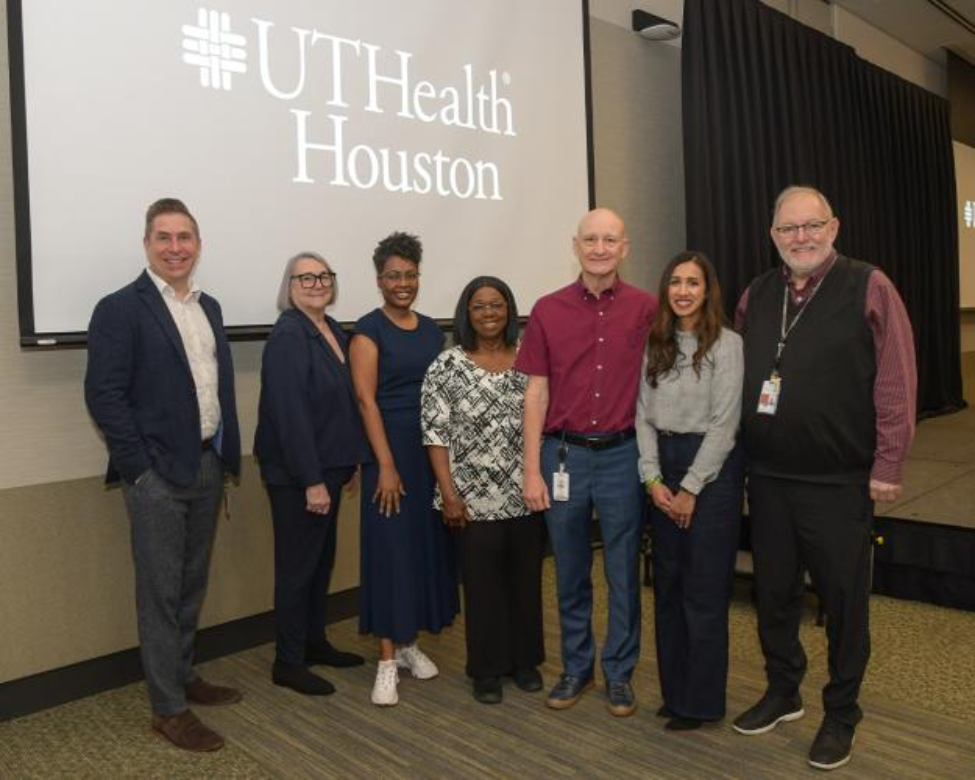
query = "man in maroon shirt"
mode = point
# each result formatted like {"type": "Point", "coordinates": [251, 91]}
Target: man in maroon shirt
{"type": "Point", "coordinates": [827, 418]}
{"type": "Point", "coordinates": [582, 352]}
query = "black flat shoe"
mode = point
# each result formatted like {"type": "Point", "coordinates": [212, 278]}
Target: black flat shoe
{"type": "Point", "coordinates": [300, 679]}
{"type": "Point", "coordinates": [487, 690]}
{"type": "Point", "coordinates": [680, 723]}
{"type": "Point", "coordinates": [528, 679]}
{"type": "Point", "coordinates": [324, 654]}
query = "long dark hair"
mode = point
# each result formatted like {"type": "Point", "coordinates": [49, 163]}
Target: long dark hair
{"type": "Point", "coordinates": [662, 350]}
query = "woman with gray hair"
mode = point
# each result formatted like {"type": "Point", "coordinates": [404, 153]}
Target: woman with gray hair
{"type": "Point", "coordinates": [309, 443]}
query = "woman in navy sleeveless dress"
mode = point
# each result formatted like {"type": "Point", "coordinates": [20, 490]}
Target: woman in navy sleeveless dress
{"type": "Point", "coordinates": [408, 579]}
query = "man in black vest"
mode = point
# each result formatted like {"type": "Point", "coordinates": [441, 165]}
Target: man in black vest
{"type": "Point", "coordinates": [827, 418]}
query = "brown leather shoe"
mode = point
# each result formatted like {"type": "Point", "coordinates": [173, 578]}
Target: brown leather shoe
{"type": "Point", "coordinates": [201, 692]}
{"type": "Point", "coordinates": [186, 732]}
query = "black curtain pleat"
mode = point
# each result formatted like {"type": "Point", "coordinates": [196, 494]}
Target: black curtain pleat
{"type": "Point", "coordinates": [769, 102]}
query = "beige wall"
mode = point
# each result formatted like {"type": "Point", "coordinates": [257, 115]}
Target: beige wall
{"type": "Point", "coordinates": [968, 354]}
{"type": "Point", "coordinates": [638, 144]}
{"type": "Point", "coordinates": [968, 330]}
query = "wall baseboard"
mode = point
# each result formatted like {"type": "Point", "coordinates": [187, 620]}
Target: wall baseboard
{"type": "Point", "coordinates": [59, 686]}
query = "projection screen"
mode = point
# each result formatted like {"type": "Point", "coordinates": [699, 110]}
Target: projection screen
{"type": "Point", "coordinates": [295, 125]}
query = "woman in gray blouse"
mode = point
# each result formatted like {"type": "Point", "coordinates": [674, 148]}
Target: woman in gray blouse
{"type": "Point", "coordinates": [472, 406]}
{"type": "Point", "coordinates": [687, 418]}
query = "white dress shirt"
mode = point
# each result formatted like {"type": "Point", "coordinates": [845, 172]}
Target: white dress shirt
{"type": "Point", "coordinates": [201, 349]}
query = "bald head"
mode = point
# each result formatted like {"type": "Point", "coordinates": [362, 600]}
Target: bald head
{"type": "Point", "coordinates": [604, 217]}
{"type": "Point", "coordinates": [600, 245]}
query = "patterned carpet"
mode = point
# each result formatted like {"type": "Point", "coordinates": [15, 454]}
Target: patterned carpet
{"type": "Point", "coordinates": [917, 655]}
{"type": "Point", "coordinates": [921, 657]}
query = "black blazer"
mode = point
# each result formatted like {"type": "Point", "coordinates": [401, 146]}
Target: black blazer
{"type": "Point", "coordinates": [308, 418]}
{"type": "Point", "coordinates": [140, 391]}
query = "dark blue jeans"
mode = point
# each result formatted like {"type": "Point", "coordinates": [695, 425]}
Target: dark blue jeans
{"type": "Point", "coordinates": [607, 481]}
{"type": "Point", "coordinates": [693, 570]}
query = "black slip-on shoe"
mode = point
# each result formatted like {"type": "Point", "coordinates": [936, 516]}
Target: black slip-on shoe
{"type": "Point", "coordinates": [487, 690]}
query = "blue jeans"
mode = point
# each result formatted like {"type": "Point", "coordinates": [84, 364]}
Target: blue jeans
{"type": "Point", "coordinates": [693, 573]}
{"type": "Point", "coordinates": [607, 481]}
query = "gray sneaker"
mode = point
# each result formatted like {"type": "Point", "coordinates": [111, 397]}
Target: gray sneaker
{"type": "Point", "coordinates": [620, 700]}
{"type": "Point", "coordinates": [568, 690]}
{"type": "Point", "coordinates": [767, 714]}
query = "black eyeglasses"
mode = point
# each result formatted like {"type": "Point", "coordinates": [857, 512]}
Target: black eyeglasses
{"type": "Point", "coordinates": [307, 281]}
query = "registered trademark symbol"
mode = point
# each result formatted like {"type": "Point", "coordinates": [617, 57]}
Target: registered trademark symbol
{"type": "Point", "coordinates": [506, 78]}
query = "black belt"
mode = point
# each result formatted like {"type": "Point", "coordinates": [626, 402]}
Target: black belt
{"type": "Point", "coordinates": [604, 442]}
{"type": "Point", "coordinates": [206, 444]}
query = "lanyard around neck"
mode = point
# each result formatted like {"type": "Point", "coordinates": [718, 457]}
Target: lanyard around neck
{"type": "Point", "coordinates": [785, 330]}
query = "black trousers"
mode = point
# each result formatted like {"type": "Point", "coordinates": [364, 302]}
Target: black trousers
{"type": "Point", "coordinates": [501, 563]}
{"type": "Point", "coordinates": [693, 569]}
{"type": "Point", "coordinates": [824, 529]}
{"type": "Point", "coordinates": [304, 553]}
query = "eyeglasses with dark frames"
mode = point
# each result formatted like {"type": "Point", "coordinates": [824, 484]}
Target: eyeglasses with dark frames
{"type": "Point", "coordinates": [308, 281]}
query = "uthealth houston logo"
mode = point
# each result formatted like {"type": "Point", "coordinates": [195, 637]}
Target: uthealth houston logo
{"type": "Point", "coordinates": [214, 49]}
{"type": "Point", "coordinates": [462, 100]}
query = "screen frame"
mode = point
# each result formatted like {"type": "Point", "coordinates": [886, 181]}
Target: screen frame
{"type": "Point", "coordinates": [29, 337]}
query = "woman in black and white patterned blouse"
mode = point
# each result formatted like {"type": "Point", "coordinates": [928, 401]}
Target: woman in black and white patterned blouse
{"type": "Point", "coordinates": [472, 405]}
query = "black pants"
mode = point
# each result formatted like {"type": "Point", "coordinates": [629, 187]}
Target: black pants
{"type": "Point", "coordinates": [693, 569]}
{"type": "Point", "coordinates": [501, 561]}
{"type": "Point", "coordinates": [824, 529]}
{"type": "Point", "coordinates": [304, 552]}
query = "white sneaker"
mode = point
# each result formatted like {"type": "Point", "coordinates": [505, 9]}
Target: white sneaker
{"type": "Point", "coordinates": [413, 658]}
{"type": "Point", "coordinates": [384, 689]}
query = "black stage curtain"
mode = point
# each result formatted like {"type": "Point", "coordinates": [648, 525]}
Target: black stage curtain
{"type": "Point", "coordinates": [769, 102]}
{"type": "Point", "coordinates": [927, 562]}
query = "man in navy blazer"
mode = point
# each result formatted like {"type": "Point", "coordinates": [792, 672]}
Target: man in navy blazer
{"type": "Point", "coordinates": [160, 386]}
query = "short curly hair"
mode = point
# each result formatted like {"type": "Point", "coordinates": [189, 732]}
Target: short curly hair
{"type": "Point", "coordinates": [397, 244]}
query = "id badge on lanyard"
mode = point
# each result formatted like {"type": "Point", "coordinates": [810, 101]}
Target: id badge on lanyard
{"type": "Point", "coordinates": [560, 479]}
{"type": "Point", "coordinates": [768, 398]}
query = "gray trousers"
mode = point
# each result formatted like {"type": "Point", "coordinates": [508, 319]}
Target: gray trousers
{"type": "Point", "coordinates": [172, 535]}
